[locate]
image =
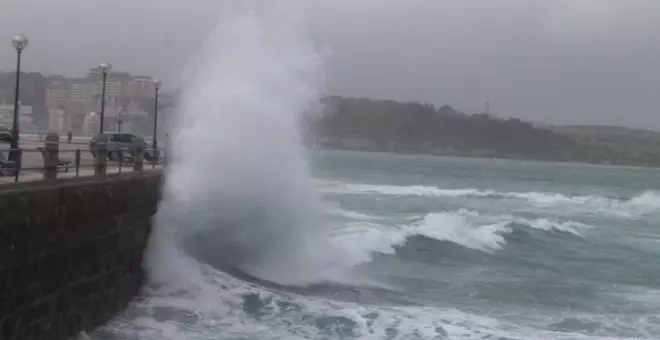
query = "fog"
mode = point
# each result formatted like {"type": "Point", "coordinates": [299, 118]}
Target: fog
{"type": "Point", "coordinates": [563, 61]}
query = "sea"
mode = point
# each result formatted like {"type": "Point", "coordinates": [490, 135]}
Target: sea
{"type": "Point", "coordinates": [258, 237]}
{"type": "Point", "coordinates": [444, 248]}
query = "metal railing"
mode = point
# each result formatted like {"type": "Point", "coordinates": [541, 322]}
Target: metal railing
{"type": "Point", "coordinates": [30, 164]}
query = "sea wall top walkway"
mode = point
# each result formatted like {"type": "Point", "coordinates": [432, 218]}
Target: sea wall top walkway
{"type": "Point", "coordinates": [51, 159]}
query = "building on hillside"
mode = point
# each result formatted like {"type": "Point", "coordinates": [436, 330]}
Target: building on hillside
{"type": "Point", "coordinates": [57, 120]}
{"type": "Point", "coordinates": [94, 75]}
{"type": "Point", "coordinates": [81, 93]}
{"type": "Point", "coordinates": [76, 113]}
{"type": "Point", "coordinates": [139, 88]}
{"type": "Point", "coordinates": [25, 117]}
{"type": "Point", "coordinates": [91, 124]}
{"type": "Point", "coordinates": [56, 97]}
{"type": "Point", "coordinates": [92, 120]}
{"type": "Point", "coordinates": [134, 118]}
{"type": "Point", "coordinates": [112, 92]}
{"type": "Point", "coordinates": [32, 93]}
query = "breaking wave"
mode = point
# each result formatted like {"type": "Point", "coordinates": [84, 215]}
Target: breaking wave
{"type": "Point", "coordinates": [645, 203]}
{"type": "Point", "coordinates": [465, 228]}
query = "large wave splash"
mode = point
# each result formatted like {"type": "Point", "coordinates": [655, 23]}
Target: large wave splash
{"type": "Point", "coordinates": [238, 194]}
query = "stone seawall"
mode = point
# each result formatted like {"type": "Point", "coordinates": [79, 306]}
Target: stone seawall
{"type": "Point", "coordinates": [71, 252]}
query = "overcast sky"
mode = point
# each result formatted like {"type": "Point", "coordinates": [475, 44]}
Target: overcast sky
{"type": "Point", "coordinates": [560, 61]}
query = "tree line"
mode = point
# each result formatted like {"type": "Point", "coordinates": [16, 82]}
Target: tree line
{"type": "Point", "coordinates": [390, 126]}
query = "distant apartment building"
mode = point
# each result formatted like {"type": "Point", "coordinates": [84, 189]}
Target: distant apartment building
{"type": "Point", "coordinates": [80, 93]}
{"type": "Point", "coordinates": [94, 75]}
{"type": "Point", "coordinates": [91, 124]}
{"type": "Point", "coordinates": [63, 104]}
{"type": "Point", "coordinates": [76, 113]}
{"type": "Point", "coordinates": [112, 92]}
{"type": "Point", "coordinates": [92, 120]}
{"type": "Point", "coordinates": [139, 88]}
{"type": "Point", "coordinates": [57, 97]}
{"type": "Point", "coordinates": [57, 120]}
{"type": "Point", "coordinates": [25, 117]}
{"type": "Point", "coordinates": [90, 92]}
{"type": "Point", "coordinates": [32, 92]}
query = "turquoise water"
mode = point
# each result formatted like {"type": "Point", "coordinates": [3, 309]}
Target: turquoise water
{"type": "Point", "coordinates": [439, 248]}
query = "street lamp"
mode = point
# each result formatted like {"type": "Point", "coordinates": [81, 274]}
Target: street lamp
{"type": "Point", "coordinates": [157, 83]}
{"type": "Point", "coordinates": [105, 68]}
{"type": "Point", "coordinates": [19, 42]}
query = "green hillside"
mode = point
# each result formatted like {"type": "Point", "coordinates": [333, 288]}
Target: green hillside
{"type": "Point", "coordinates": [389, 126]}
{"type": "Point", "coordinates": [616, 145]}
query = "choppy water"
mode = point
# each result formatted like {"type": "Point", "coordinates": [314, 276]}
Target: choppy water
{"type": "Point", "coordinates": [443, 248]}
{"type": "Point", "coordinates": [249, 243]}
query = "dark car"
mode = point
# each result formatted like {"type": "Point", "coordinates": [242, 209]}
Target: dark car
{"type": "Point", "coordinates": [5, 135]}
{"type": "Point", "coordinates": [119, 146]}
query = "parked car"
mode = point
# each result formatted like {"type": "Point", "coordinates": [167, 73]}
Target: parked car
{"type": "Point", "coordinates": [5, 134]}
{"type": "Point", "coordinates": [119, 145]}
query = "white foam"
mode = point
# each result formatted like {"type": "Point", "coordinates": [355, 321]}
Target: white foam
{"type": "Point", "coordinates": [393, 190]}
{"type": "Point", "coordinates": [459, 230]}
{"type": "Point", "coordinates": [648, 198]}
{"type": "Point", "coordinates": [431, 191]}
{"type": "Point", "coordinates": [572, 227]}
{"type": "Point", "coordinates": [214, 304]}
{"type": "Point", "coordinates": [354, 215]}
{"type": "Point", "coordinates": [361, 240]}
{"type": "Point", "coordinates": [636, 207]}
{"type": "Point", "coordinates": [575, 228]}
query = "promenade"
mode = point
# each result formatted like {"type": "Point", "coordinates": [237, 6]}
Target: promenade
{"type": "Point", "coordinates": [32, 162]}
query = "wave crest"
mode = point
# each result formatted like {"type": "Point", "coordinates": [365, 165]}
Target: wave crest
{"type": "Point", "coordinates": [642, 204]}
{"type": "Point", "coordinates": [361, 239]}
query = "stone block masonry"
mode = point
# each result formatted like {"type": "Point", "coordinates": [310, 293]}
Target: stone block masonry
{"type": "Point", "coordinates": [71, 252]}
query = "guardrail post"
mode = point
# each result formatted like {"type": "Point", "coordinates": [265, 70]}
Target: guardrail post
{"type": "Point", "coordinates": [100, 150]}
{"type": "Point", "coordinates": [18, 164]}
{"type": "Point", "coordinates": [137, 152]}
{"type": "Point", "coordinates": [51, 155]}
{"type": "Point", "coordinates": [77, 162]}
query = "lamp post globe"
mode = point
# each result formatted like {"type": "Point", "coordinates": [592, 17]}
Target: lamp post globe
{"type": "Point", "coordinates": [19, 42]}
{"type": "Point", "coordinates": [105, 67]}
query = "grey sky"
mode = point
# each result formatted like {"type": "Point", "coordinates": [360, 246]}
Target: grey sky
{"type": "Point", "coordinates": [567, 61]}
